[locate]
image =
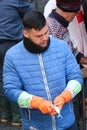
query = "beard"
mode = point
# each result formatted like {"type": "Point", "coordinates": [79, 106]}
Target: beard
{"type": "Point", "coordinates": [33, 47]}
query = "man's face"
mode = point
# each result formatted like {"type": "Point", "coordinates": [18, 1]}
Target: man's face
{"type": "Point", "coordinates": [71, 16]}
{"type": "Point", "coordinates": [39, 37]}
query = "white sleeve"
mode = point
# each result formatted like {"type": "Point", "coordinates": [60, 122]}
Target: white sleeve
{"type": "Point", "coordinates": [24, 100]}
{"type": "Point", "coordinates": [74, 87]}
{"type": "Point", "coordinates": [51, 4]}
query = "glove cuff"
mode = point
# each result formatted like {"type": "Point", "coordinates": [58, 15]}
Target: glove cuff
{"type": "Point", "coordinates": [24, 100]}
{"type": "Point", "coordinates": [67, 95]}
{"type": "Point", "coordinates": [74, 87]}
{"type": "Point", "coordinates": [36, 101]}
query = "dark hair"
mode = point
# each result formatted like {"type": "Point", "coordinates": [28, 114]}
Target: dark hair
{"type": "Point", "coordinates": [34, 19]}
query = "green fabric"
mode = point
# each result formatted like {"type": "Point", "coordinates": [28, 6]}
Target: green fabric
{"type": "Point", "coordinates": [77, 89]}
{"type": "Point", "coordinates": [24, 102]}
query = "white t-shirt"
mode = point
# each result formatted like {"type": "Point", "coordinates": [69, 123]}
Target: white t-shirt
{"type": "Point", "coordinates": [51, 4]}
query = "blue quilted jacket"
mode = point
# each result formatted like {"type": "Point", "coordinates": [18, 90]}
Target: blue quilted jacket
{"type": "Point", "coordinates": [24, 71]}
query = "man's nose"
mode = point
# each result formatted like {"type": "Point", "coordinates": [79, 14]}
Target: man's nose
{"type": "Point", "coordinates": [44, 37]}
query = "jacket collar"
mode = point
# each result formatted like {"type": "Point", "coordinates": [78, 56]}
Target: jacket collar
{"type": "Point", "coordinates": [32, 47]}
{"type": "Point", "coordinates": [59, 18]}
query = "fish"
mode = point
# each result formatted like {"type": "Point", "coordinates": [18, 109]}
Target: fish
{"type": "Point", "coordinates": [58, 111]}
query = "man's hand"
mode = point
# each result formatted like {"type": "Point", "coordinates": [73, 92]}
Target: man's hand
{"type": "Point", "coordinates": [64, 97]}
{"type": "Point", "coordinates": [43, 105]}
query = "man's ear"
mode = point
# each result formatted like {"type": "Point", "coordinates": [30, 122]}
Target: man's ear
{"type": "Point", "coordinates": [26, 33]}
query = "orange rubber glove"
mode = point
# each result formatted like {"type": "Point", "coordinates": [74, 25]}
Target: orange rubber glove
{"type": "Point", "coordinates": [64, 97]}
{"type": "Point", "coordinates": [43, 105]}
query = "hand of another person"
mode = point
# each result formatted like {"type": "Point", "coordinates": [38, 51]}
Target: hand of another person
{"type": "Point", "coordinates": [83, 60]}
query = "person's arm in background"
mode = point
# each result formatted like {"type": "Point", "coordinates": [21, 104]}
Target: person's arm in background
{"type": "Point", "coordinates": [51, 4]}
{"type": "Point", "coordinates": [23, 6]}
{"type": "Point", "coordinates": [81, 59]}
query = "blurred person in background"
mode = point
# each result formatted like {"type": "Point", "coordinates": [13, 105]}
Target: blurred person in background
{"type": "Point", "coordinates": [11, 14]}
{"type": "Point", "coordinates": [58, 21]}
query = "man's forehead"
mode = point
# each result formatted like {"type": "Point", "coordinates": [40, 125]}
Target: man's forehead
{"type": "Point", "coordinates": [42, 30]}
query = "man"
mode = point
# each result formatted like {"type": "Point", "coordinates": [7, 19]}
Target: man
{"type": "Point", "coordinates": [58, 21]}
{"type": "Point", "coordinates": [11, 14]}
{"type": "Point", "coordinates": [42, 76]}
